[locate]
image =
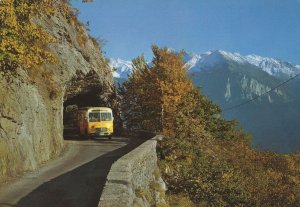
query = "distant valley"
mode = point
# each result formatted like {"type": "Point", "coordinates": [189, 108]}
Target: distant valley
{"type": "Point", "coordinates": [232, 80]}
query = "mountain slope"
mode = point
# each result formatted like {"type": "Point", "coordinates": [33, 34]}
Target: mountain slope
{"type": "Point", "coordinates": [231, 80]}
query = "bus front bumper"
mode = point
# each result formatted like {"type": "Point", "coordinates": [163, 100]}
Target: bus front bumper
{"type": "Point", "coordinates": [101, 132]}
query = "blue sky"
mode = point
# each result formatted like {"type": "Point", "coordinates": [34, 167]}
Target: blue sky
{"type": "Point", "coordinates": [264, 27]}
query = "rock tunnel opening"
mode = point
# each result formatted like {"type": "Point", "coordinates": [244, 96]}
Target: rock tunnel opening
{"type": "Point", "coordinates": [83, 91]}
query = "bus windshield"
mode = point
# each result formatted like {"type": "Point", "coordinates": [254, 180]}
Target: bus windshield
{"type": "Point", "coordinates": [97, 117]}
{"type": "Point", "coordinates": [106, 116]}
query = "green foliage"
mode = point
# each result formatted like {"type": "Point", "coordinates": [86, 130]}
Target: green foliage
{"type": "Point", "coordinates": [203, 156]}
{"type": "Point", "coordinates": [132, 93]}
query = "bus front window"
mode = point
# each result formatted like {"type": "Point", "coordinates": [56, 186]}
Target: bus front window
{"type": "Point", "coordinates": [94, 117]}
{"type": "Point", "coordinates": [106, 116]}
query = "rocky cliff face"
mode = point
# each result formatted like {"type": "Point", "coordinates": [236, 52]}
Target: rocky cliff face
{"type": "Point", "coordinates": [32, 102]}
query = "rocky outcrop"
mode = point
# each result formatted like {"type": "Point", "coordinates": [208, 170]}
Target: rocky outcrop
{"type": "Point", "coordinates": [32, 102]}
{"type": "Point", "coordinates": [135, 180]}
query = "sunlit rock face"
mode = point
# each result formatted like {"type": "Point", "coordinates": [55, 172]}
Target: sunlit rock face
{"type": "Point", "coordinates": [32, 104]}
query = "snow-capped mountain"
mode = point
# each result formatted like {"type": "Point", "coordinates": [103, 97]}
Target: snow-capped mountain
{"type": "Point", "coordinates": [122, 68]}
{"type": "Point", "coordinates": [274, 67]}
{"type": "Point", "coordinates": [208, 60]}
{"type": "Point", "coordinates": [231, 79]}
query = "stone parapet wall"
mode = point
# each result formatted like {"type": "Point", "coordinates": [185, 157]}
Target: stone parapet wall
{"type": "Point", "coordinates": [134, 179]}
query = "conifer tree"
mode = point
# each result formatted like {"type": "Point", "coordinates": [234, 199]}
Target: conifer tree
{"type": "Point", "coordinates": [132, 95]}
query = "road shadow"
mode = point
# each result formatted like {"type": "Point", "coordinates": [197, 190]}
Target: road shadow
{"type": "Point", "coordinates": [81, 187]}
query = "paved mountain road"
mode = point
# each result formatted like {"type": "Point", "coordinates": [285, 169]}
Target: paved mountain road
{"type": "Point", "coordinates": [74, 180]}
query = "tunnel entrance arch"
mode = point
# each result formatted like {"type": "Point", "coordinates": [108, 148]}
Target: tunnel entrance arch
{"type": "Point", "coordinates": [84, 91]}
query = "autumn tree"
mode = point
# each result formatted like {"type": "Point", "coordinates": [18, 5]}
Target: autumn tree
{"type": "Point", "coordinates": [170, 72]}
{"type": "Point", "coordinates": [22, 42]}
{"type": "Point", "coordinates": [152, 93]}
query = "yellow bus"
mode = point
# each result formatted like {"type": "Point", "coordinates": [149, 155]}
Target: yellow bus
{"type": "Point", "coordinates": [95, 121]}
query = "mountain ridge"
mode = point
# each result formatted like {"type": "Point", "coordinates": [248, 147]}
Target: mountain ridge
{"type": "Point", "coordinates": [275, 67]}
